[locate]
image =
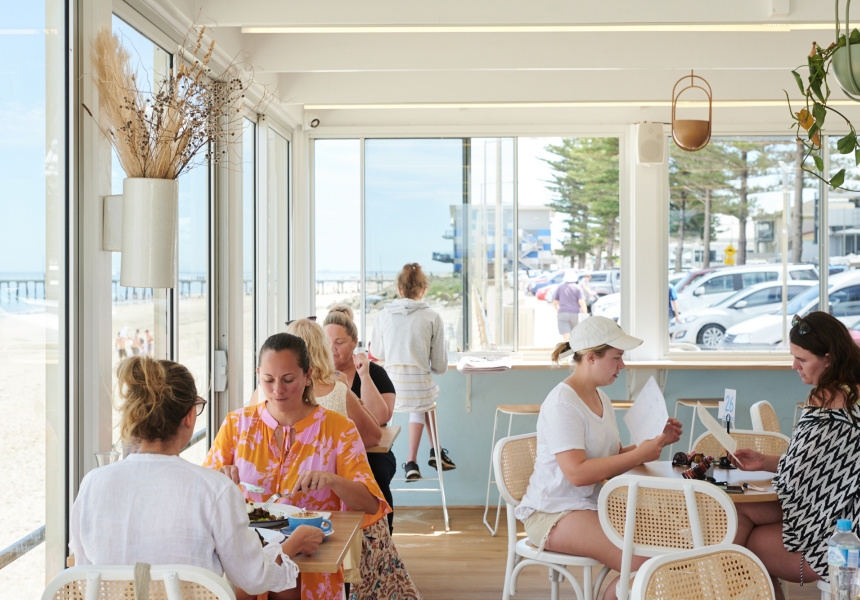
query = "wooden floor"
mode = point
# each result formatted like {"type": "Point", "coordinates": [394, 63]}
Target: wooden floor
{"type": "Point", "coordinates": [468, 562]}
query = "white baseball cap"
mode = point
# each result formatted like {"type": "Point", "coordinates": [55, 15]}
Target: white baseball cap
{"type": "Point", "coordinates": [599, 331]}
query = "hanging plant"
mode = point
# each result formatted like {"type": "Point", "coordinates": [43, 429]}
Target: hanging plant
{"type": "Point", "coordinates": [843, 56]}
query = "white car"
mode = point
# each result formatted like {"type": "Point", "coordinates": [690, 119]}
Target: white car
{"type": "Point", "coordinates": [608, 306]}
{"type": "Point", "coordinates": [705, 326]}
{"type": "Point", "coordinates": [722, 283]}
{"type": "Point", "coordinates": [766, 331]}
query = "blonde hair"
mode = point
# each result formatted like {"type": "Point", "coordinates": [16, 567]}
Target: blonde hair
{"type": "Point", "coordinates": [579, 354]}
{"type": "Point", "coordinates": [341, 314]}
{"type": "Point", "coordinates": [318, 349]}
{"type": "Point", "coordinates": [411, 281]}
{"type": "Point", "coordinates": [155, 396]}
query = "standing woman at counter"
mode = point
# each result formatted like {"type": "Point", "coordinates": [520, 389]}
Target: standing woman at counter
{"type": "Point", "coordinates": [409, 338]}
{"type": "Point", "coordinates": [578, 447]}
{"type": "Point", "coordinates": [790, 535]}
{"type": "Point", "coordinates": [370, 383]}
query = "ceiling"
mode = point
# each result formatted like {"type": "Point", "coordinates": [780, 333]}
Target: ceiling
{"type": "Point", "coordinates": [542, 64]}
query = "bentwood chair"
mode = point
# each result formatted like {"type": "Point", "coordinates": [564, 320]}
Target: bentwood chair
{"type": "Point", "coordinates": [764, 417]}
{"type": "Point", "coordinates": [513, 463]}
{"type": "Point", "coordinates": [165, 582]}
{"type": "Point", "coordinates": [722, 571]}
{"type": "Point", "coordinates": [652, 516]}
{"type": "Point", "coordinates": [766, 442]}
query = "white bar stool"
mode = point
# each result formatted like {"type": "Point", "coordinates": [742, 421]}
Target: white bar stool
{"type": "Point", "coordinates": [511, 410]}
{"type": "Point", "coordinates": [692, 402]}
{"type": "Point", "coordinates": [434, 431]}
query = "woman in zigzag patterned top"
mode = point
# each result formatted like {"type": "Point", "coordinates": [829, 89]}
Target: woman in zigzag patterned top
{"type": "Point", "coordinates": [816, 479]}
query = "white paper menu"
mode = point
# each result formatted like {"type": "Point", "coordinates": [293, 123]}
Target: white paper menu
{"type": "Point", "coordinates": [713, 427]}
{"type": "Point", "coordinates": [647, 417]}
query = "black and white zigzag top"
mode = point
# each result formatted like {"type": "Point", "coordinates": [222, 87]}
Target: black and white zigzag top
{"type": "Point", "coordinates": [818, 481]}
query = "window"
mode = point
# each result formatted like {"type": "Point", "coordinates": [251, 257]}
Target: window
{"type": "Point", "coordinates": [33, 255]}
{"type": "Point", "coordinates": [249, 242]}
{"type": "Point", "coordinates": [452, 205]}
{"type": "Point", "coordinates": [728, 206]}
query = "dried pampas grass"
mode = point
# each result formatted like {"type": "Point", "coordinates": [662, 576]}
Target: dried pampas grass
{"type": "Point", "coordinates": [184, 122]}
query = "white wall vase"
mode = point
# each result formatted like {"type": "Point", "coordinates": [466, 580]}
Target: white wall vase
{"type": "Point", "coordinates": [150, 232]}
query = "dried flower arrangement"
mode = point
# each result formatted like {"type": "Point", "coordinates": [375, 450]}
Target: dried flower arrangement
{"type": "Point", "coordinates": [185, 122]}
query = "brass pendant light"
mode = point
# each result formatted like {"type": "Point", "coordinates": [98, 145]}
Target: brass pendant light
{"type": "Point", "coordinates": [691, 134]}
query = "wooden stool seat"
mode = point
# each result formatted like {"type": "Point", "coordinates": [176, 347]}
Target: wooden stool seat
{"type": "Point", "coordinates": [519, 409]}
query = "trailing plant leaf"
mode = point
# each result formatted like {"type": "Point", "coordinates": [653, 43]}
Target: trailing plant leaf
{"type": "Point", "coordinates": [816, 94]}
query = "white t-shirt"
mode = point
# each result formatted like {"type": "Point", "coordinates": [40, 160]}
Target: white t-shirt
{"type": "Point", "coordinates": [566, 423]}
{"type": "Point", "coordinates": [161, 510]}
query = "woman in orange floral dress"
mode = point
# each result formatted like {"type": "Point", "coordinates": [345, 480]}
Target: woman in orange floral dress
{"type": "Point", "coordinates": [289, 445]}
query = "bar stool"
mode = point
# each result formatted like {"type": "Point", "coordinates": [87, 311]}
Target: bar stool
{"type": "Point", "coordinates": [692, 402]}
{"type": "Point", "coordinates": [511, 410]}
{"type": "Point", "coordinates": [434, 431]}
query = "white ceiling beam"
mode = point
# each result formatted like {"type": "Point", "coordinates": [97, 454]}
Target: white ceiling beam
{"type": "Point", "coordinates": [456, 12]}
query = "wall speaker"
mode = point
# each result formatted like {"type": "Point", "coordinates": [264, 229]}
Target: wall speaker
{"type": "Point", "coordinates": [650, 140]}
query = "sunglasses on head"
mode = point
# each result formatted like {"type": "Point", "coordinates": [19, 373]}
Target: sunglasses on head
{"type": "Point", "coordinates": [801, 325]}
{"type": "Point", "coordinates": [313, 318]}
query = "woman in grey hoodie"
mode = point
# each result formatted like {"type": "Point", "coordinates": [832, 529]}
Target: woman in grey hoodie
{"type": "Point", "coordinates": [409, 337]}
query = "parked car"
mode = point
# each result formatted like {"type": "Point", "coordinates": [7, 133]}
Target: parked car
{"type": "Point", "coordinates": [605, 282]}
{"type": "Point", "coordinates": [722, 283]}
{"type": "Point", "coordinates": [542, 292]}
{"type": "Point", "coordinates": [705, 326]}
{"type": "Point", "coordinates": [766, 331]}
{"type": "Point", "coordinates": [691, 277]}
{"type": "Point", "coordinates": [608, 306]}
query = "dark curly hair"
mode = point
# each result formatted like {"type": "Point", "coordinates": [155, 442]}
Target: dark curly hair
{"type": "Point", "coordinates": [824, 335]}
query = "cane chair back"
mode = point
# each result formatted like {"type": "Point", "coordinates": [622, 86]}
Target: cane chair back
{"type": "Point", "coordinates": [513, 464]}
{"type": "Point", "coordinates": [117, 582]}
{"type": "Point", "coordinates": [723, 571]}
{"type": "Point", "coordinates": [766, 442]}
{"type": "Point", "coordinates": [650, 516]}
{"type": "Point", "coordinates": [764, 417]}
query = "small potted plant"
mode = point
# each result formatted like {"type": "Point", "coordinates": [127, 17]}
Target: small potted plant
{"type": "Point", "coordinates": [186, 120]}
{"type": "Point", "coordinates": [843, 56]}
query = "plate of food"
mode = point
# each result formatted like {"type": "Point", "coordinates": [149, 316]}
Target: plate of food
{"type": "Point", "coordinates": [273, 517]}
{"type": "Point", "coordinates": [276, 516]}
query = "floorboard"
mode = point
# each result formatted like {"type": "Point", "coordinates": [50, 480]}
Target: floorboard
{"type": "Point", "coordinates": [468, 562]}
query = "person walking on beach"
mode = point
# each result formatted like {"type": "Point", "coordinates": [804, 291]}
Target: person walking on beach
{"type": "Point", "coordinates": [135, 343]}
{"type": "Point", "coordinates": [119, 344]}
{"type": "Point", "coordinates": [150, 342]}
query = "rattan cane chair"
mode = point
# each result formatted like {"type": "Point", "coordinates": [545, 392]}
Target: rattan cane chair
{"type": "Point", "coordinates": [764, 417]}
{"type": "Point", "coordinates": [651, 516]}
{"type": "Point", "coordinates": [723, 571]}
{"type": "Point", "coordinates": [513, 463]}
{"type": "Point", "coordinates": [766, 442]}
{"type": "Point", "coordinates": [166, 582]}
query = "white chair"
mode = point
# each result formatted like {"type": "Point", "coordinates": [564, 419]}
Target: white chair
{"type": "Point", "coordinates": [108, 582]}
{"type": "Point", "coordinates": [511, 410]}
{"type": "Point", "coordinates": [722, 571]}
{"type": "Point", "coordinates": [513, 463]}
{"type": "Point", "coordinates": [651, 516]}
{"type": "Point", "coordinates": [764, 417]}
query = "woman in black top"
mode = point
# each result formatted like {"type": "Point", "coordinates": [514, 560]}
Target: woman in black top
{"type": "Point", "coordinates": [369, 382]}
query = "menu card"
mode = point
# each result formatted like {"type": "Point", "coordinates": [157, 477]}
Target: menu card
{"type": "Point", "coordinates": [713, 426]}
{"type": "Point", "coordinates": [647, 417]}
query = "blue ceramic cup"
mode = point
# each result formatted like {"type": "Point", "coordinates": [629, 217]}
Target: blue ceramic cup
{"type": "Point", "coordinates": [312, 519]}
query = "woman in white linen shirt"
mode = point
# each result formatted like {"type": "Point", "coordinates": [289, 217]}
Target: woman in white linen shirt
{"type": "Point", "coordinates": [157, 508]}
{"type": "Point", "coordinates": [578, 447]}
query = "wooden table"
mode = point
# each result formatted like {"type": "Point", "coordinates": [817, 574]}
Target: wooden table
{"type": "Point", "coordinates": [389, 434]}
{"type": "Point", "coordinates": [762, 479]}
{"type": "Point", "coordinates": [329, 556]}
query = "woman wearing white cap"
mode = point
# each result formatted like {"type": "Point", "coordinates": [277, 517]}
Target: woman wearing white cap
{"type": "Point", "coordinates": [578, 447]}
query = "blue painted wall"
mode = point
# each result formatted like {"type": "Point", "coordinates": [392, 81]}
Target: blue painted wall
{"type": "Point", "coordinates": [467, 435]}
